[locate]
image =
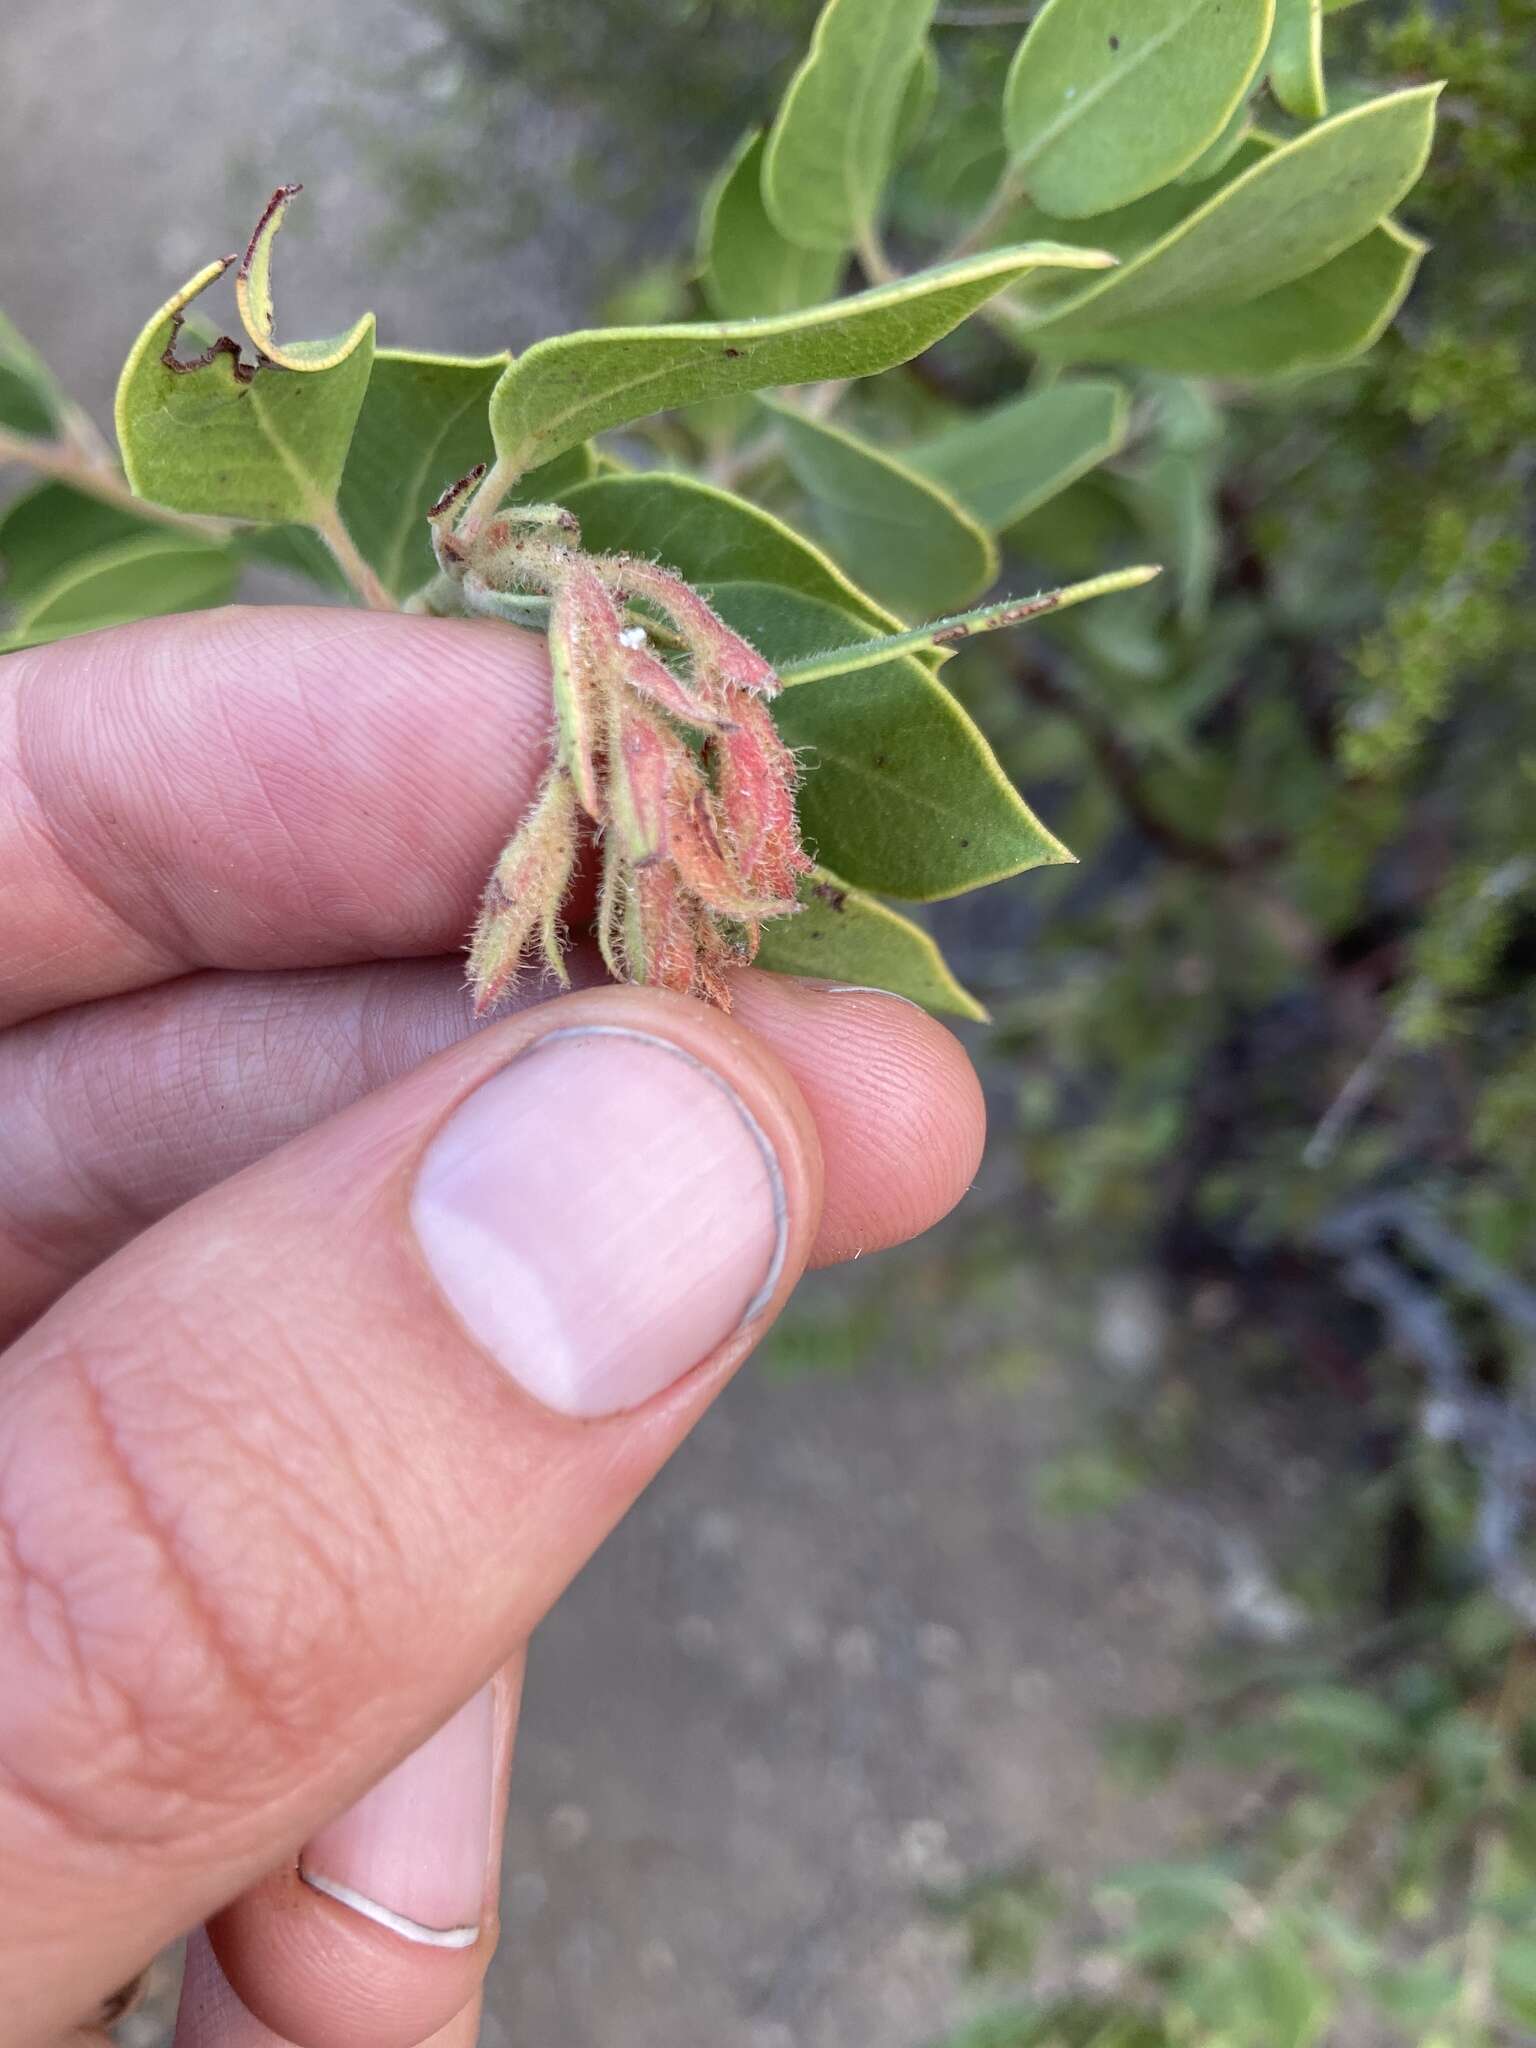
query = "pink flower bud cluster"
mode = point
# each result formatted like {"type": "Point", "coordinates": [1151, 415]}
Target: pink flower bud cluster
{"type": "Point", "coordinates": [663, 742]}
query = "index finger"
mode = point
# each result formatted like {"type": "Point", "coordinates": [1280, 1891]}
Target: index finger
{"type": "Point", "coordinates": [254, 788]}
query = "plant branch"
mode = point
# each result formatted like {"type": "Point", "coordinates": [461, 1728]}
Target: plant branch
{"type": "Point", "coordinates": [359, 573]}
{"type": "Point", "coordinates": [101, 478]}
{"type": "Point", "coordinates": [873, 260]}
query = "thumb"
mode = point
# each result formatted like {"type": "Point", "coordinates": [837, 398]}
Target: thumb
{"type": "Point", "coordinates": [287, 1479]}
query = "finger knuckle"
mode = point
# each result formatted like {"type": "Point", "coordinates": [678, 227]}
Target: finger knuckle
{"type": "Point", "coordinates": [166, 1593]}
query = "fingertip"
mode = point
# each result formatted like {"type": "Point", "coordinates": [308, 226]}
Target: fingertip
{"type": "Point", "coordinates": [894, 1096]}
{"type": "Point", "coordinates": [212, 2014]}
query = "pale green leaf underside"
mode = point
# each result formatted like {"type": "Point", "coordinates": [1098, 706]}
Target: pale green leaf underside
{"type": "Point", "coordinates": [1108, 99]}
{"type": "Point", "coordinates": [830, 148]}
{"type": "Point", "coordinates": [573, 386]}
{"type": "Point", "coordinates": [1310, 324]}
{"type": "Point", "coordinates": [1007, 461]}
{"type": "Point", "coordinates": [1289, 213]}
{"type": "Point", "coordinates": [138, 578]}
{"type": "Point", "coordinates": [897, 533]}
{"type": "Point", "coordinates": [1295, 60]}
{"type": "Point", "coordinates": [202, 440]}
{"type": "Point", "coordinates": [711, 536]}
{"type": "Point", "coordinates": [902, 793]}
{"type": "Point", "coordinates": [423, 424]}
{"type": "Point", "coordinates": [747, 269]}
{"type": "Point", "coordinates": [844, 935]}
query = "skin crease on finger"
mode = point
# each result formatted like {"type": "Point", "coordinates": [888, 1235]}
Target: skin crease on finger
{"type": "Point", "coordinates": [123, 1109]}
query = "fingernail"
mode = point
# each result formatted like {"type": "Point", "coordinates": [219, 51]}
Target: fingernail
{"type": "Point", "coordinates": [602, 1214]}
{"type": "Point", "coordinates": [411, 1855]}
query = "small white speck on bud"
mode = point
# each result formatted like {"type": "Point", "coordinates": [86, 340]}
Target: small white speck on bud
{"type": "Point", "coordinates": [634, 636]}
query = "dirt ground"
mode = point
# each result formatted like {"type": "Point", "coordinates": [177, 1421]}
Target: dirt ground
{"type": "Point", "coordinates": [836, 1656]}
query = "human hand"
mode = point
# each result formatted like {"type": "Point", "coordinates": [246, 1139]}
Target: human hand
{"type": "Point", "coordinates": [340, 1333]}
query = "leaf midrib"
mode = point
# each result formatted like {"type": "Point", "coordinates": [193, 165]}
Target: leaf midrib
{"type": "Point", "coordinates": [1109, 83]}
{"type": "Point", "coordinates": [554, 423]}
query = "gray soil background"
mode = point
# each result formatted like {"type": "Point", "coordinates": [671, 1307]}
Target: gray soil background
{"type": "Point", "coordinates": [836, 1656]}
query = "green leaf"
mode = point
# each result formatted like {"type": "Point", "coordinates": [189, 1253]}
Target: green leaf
{"type": "Point", "coordinates": [572, 386]}
{"type": "Point", "coordinates": [253, 296]}
{"type": "Point", "coordinates": [917, 101]}
{"type": "Point", "coordinates": [51, 526]}
{"type": "Point", "coordinates": [1085, 525]}
{"type": "Point", "coordinates": [711, 537]}
{"type": "Point", "coordinates": [833, 139]}
{"type": "Point", "coordinates": [1286, 215]}
{"type": "Point", "coordinates": [1296, 59]}
{"type": "Point", "coordinates": [1267, 1992]}
{"type": "Point", "coordinates": [902, 793]}
{"type": "Point", "coordinates": [845, 935]}
{"type": "Point", "coordinates": [899, 535]}
{"type": "Point", "coordinates": [1006, 462]}
{"type": "Point", "coordinates": [212, 434]}
{"type": "Point", "coordinates": [1127, 230]}
{"type": "Point", "coordinates": [747, 269]}
{"type": "Point", "coordinates": [1106, 101]}
{"type": "Point", "coordinates": [31, 401]}
{"type": "Point", "coordinates": [1174, 494]}
{"type": "Point", "coordinates": [1312, 323]}
{"type": "Point", "coordinates": [298, 549]}
{"type": "Point", "coordinates": [423, 424]}
{"type": "Point", "coordinates": [1214, 159]}
{"type": "Point", "coordinates": [130, 579]}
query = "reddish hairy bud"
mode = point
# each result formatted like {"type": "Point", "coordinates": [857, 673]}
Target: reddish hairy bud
{"type": "Point", "coordinates": [660, 935]}
{"type": "Point", "coordinates": [522, 899]}
{"type": "Point", "coordinates": [651, 678]}
{"type": "Point", "coordinates": [756, 776]}
{"type": "Point", "coordinates": [718, 653]}
{"type": "Point", "coordinates": [640, 777]}
{"type": "Point", "coordinates": [698, 849]}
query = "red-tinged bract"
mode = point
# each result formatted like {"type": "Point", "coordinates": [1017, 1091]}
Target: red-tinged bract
{"type": "Point", "coordinates": [663, 751]}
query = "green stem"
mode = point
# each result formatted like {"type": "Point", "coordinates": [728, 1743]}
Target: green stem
{"type": "Point", "coordinates": [987, 618]}
{"type": "Point", "coordinates": [359, 573]}
{"type": "Point", "coordinates": [486, 502]}
{"type": "Point", "coordinates": [102, 480]}
{"type": "Point", "coordinates": [875, 263]}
